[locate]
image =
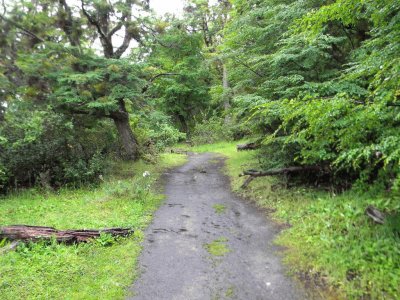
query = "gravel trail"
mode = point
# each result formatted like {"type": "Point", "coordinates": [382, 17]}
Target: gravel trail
{"type": "Point", "coordinates": [206, 243]}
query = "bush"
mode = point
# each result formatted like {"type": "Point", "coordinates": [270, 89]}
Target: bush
{"type": "Point", "coordinates": [156, 132]}
{"type": "Point", "coordinates": [85, 171]}
{"type": "Point", "coordinates": [47, 148]}
{"type": "Point", "coordinates": [210, 131]}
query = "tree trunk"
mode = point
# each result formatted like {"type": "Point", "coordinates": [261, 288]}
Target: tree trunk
{"type": "Point", "coordinates": [126, 136]}
{"type": "Point", "coordinates": [225, 85]}
{"type": "Point", "coordinates": [225, 95]}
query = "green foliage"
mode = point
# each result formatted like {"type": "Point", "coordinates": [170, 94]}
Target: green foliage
{"type": "Point", "coordinates": [85, 171]}
{"type": "Point", "coordinates": [218, 247]}
{"type": "Point", "coordinates": [324, 90]}
{"type": "Point", "coordinates": [155, 129]}
{"type": "Point", "coordinates": [219, 208]}
{"type": "Point", "coordinates": [211, 131]}
{"type": "Point", "coordinates": [183, 93]}
{"type": "Point", "coordinates": [39, 142]}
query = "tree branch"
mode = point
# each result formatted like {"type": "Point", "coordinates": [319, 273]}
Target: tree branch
{"type": "Point", "coordinates": [155, 77]}
{"type": "Point", "coordinates": [68, 25]}
{"type": "Point", "coordinates": [105, 41]}
{"type": "Point", "coordinates": [248, 67]}
{"type": "Point", "coordinates": [128, 34]}
{"type": "Point", "coordinates": [28, 32]}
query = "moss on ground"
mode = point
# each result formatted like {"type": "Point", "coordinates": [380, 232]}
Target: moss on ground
{"type": "Point", "coordinates": [219, 208]}
{"type": "Point", "coordinates": [218, 247]}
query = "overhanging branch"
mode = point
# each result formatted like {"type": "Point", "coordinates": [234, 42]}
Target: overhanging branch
{"type": "Point", "coordinates": [155, 77]}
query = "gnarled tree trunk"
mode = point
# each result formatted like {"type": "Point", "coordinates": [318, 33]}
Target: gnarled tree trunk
{"type": "Point", "coordinates": [126, 136]}
{"type": "Point", "coordinates": [128, 139]}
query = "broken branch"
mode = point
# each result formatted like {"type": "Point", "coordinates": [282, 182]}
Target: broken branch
{"type": "Point", "coordinates": [255, 173]}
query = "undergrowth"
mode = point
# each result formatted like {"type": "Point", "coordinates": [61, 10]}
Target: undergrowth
{"type": "Point", "coordinates": [102, 269]}
{"type": "Point", "coordinates": [330, 240]}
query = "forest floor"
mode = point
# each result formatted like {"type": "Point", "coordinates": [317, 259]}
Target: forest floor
{"type": "Point", "coordinates": [206, 243]}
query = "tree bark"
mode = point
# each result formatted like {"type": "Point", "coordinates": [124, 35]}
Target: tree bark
{"type": "Point", "coordinates": [34, 233]}
{"type": "Point", "coordinates": [248, 146]}
{"type": "Point", "coordinates": [126, 136]}
{"type": "Point", "coordinates": [226, 93]}
{"type": "Point", "coordinates": [225, 85]}
{"type": "Point", "coordinates": [254, 173]}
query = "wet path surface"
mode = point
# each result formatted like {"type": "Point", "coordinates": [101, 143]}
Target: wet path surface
{"type": "Point", "coordinates": [177, 264]}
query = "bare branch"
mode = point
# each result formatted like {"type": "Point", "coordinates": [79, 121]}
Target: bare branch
{"type": "Point", "coordinates": [128, 35]}
{"type": "Point", "coordinates": [125, 44]}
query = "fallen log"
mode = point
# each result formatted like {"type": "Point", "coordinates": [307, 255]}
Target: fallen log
{"type": "Point", "coordinates": [34, 233]}
{"type": "Point", "coordinates": [179, 151]}
{"type": "Point", "coordinates": [255, 173]}
{"type": "Point", "coordinates": [248, 146]}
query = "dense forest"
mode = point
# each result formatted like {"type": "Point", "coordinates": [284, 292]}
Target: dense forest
{"type": "Point", "coordinates": [314, 84]}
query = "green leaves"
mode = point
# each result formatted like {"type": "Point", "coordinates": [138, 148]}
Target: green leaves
{"type": "Point", "coordinates": [320, 82]}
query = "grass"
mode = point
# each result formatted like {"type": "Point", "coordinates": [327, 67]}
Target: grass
{"type": "Point", "coordinates": [330, 242]}
{"type": "Point", "coordinates": [219, 208]}
{"type": "Point", "coordinates": [99, 270]}
{"type": "Point", "coordinates": [218, 247]}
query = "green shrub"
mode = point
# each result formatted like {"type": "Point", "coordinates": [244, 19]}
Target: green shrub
{"type": "Point", "coordinates": [47, 148]}
{"type": "Point", "coordinates": [85, 171]}
{"type": "Point", "coordinates": [156, 132]}
{"type": "Point", "coordinates": [210, 131]}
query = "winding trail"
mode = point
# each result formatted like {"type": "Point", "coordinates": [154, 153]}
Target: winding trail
{"type": "Point", "coordinates": [175, 262]}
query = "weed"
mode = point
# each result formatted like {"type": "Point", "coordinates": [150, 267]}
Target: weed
{"type": "Point", "coordinates": [219, 208]}
{"type": "Point", "coordinates": [230, 292]}
{"type": "Point", "coordinates": [218, 247]}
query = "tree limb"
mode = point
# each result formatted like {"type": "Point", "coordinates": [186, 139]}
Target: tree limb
{"type": "Point", "coordinates": [106, 43]}
{"type": "Point", "coordinates": [28, 32]}
{"type": "Point", "coordinates": [68, 26]}
{"type": "Point", "coordinates": [255, 173]}
{"type": "Point", "coordinates": [155, 77]}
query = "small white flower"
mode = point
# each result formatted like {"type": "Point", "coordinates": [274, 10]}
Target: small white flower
{"type": "Point", "coordinates": [146, 173]}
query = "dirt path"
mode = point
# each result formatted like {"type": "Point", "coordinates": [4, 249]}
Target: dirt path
{"type": "Point", "coordinates": [205, 243]}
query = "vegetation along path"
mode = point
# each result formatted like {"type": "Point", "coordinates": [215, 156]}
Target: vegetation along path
{"type": "Point", "coordinates": [205, 243]}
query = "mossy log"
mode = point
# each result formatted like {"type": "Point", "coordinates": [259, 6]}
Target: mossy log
{"type": "Point", "coordinates": [255, 173]}
{"type": "Point", "coordinates": [34, 233]}
{"type": "Point", "coordinates": [248, 146]}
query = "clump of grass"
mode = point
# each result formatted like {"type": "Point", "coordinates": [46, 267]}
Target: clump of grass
{"type": "Point", "coordinates": [230, 292]}
{"type": "Point", "coordinates": [219, 208]}
{"type": "Point", "coordinates": [218, 247]}
{"type": "Point", "coordinates": [103, 269]}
